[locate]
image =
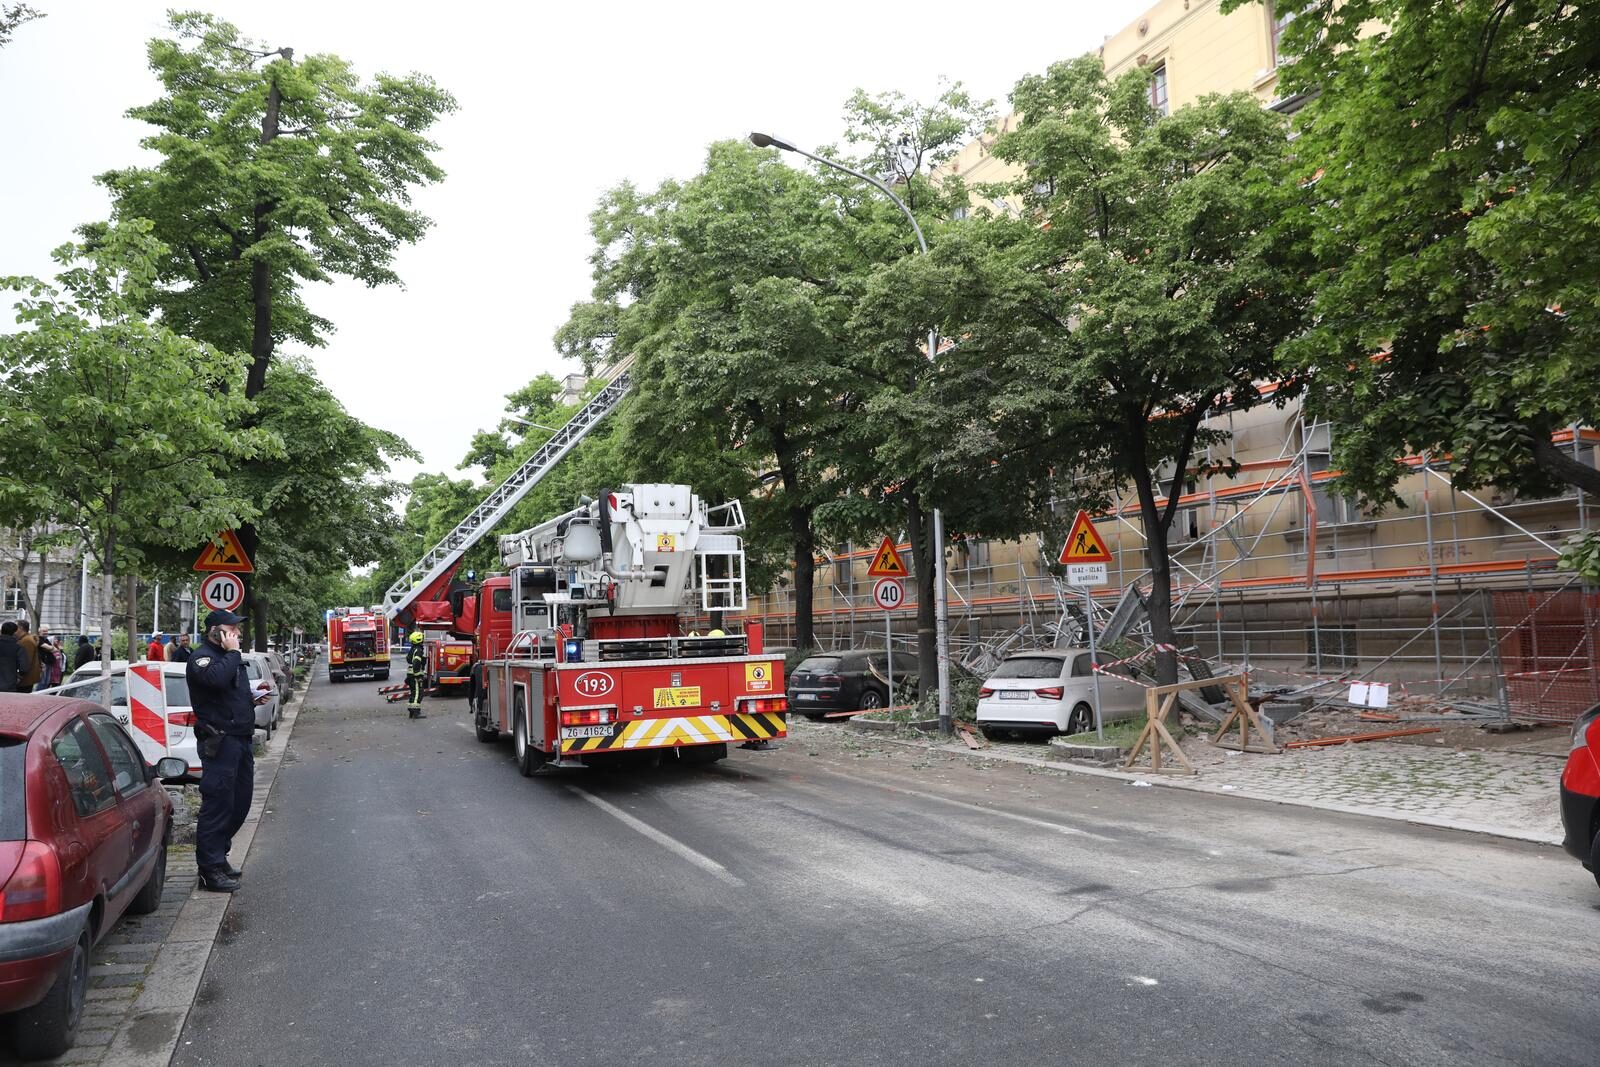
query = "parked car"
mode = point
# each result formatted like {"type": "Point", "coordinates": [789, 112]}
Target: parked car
{"type": "Point", "coordinates": [259, 667]}
{"type": "Point", "coordinates": [282, 675]}
{"type": "Point", "coordinates": [182, 742]}
{"type": "Point", "coordinates": [846, 681]}
{"type": "Point", "coordinates": [1041, 694]}
{"type": "Point", "coordinates": [1580, 792]}
{"type": "Point", "coordinates": [84, 828]}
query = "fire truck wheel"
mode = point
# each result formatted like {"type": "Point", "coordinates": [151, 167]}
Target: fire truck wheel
{"type": "Point", "coordinates": [485, 732]}
{"type": "Point", "coordinates": [528, 757]}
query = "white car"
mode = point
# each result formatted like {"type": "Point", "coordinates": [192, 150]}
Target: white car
{"type": "Point", "coordinates": [259, 667]}
{"type": "Point", "coordinates": [1041, 694]}
{"type": "Point", "coordinates": [181, 741]}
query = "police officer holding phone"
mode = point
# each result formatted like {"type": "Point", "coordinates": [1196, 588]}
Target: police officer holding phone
{"type": "Point", "coordinates": [225, 721]}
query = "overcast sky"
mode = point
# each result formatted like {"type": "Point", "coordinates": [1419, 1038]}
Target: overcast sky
{"type": "Point", "coordinates": [559, 102]}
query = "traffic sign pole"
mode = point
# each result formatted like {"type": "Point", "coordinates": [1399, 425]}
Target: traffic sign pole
{"type": "Point", "coordinates": [1094, 662]}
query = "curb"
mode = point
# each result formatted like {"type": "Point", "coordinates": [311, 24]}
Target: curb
{"type": "Point", "coordinates": [1193, 786]}
{"type": "Point", "coordinates": [149, 1036]}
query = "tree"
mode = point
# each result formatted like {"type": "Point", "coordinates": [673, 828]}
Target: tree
{"type": "Point", "coordinates": [273, 173]}
{"type": "Point", "coordinates": [29, 549]}
{"type": "Point", "coordinates": [1454, 150]}
{"type": "Point", "coordinates": [14, 15]}
{"type": "Point", "coordinates": [127, 423]}
{"type": "Point", "coordinates": [1142, 292]}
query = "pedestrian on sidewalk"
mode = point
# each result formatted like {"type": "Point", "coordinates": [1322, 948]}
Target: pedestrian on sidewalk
{"type": "Point", "coordinates": [30, 648]}
{"type": "Point", "coordinates": [416, 674]}
{"type": "Point", "coordinates": [84, 654]}
{"type": "Point", "coordinates": [157, 651]}
{"type": "Point", "coordinates": [49, 669]}
{"type": "Point", "coordinates": [225, 717]}
{"type": "Point", "coordinates": [181, 651]}
{"type": "Point", "coordinates": [13, 661]}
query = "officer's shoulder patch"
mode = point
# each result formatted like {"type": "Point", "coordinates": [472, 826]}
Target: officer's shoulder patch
{"type": "Point", "coordinates": [203, 661]}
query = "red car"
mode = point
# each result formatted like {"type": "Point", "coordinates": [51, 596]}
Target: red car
{"type": "Point", "coordinates": [84, 826]}
{"type": "Point", "coordinates": [1580, 792]}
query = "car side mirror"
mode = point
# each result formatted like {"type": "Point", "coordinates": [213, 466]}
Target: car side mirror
{"type": "Point", "coordinates": [169, 767]}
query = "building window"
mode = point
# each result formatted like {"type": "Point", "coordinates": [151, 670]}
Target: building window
{"type": "Point", "coordinates": [960, 213]}
{"type": "Point", "coordinates": [11, 599]}
{"type": "Point", "coordinates": [1332, 648]}
{"type": "Point", "coordinates": [1158, 89]}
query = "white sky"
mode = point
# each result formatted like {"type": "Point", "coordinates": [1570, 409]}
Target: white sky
{"type": "Point", "coordinates": [557, 104]}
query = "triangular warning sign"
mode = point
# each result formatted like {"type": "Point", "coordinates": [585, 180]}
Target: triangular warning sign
{"type": "Point", "coordinates": [227, 556]}
{"type": "Point", "coordinates": [1084, 544]}
{"type": "Point", "coordinates": [887, 562]}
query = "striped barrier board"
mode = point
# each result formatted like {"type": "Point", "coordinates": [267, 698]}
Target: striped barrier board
{"type": "Point", "coordinates": [147, 710]}
{"type": "Point", "coordinates": [684, 730]}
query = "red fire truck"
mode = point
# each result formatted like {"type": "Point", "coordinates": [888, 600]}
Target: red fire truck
{"type": "Point", "coordinates": [358, 644]}
{"type": "Point", "coordinates": [587, 652]}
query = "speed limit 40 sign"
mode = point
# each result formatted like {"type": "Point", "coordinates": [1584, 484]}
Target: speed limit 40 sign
{"type": "Point", "coordinates": [889, 593]}
{"type": "Point", "coordinates": [222, 591]}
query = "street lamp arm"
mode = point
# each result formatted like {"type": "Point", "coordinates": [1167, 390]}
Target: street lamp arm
{"type": "Point", "coordinates": [762, 140]}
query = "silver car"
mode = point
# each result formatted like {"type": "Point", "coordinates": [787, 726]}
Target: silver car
{"type": "Point", "coordinates": [259, 667]}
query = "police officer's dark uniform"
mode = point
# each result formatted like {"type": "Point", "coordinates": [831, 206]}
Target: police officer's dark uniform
{"type": "Point", "coordinates": [224, 710]}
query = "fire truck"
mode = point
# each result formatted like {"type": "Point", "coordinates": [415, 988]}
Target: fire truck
{"type": "Point", "coordinates": [586, 652]}
{"type": "Point", "coordinates": [588, 655]}
{"type": "Point", "coordinates": [358, 644]}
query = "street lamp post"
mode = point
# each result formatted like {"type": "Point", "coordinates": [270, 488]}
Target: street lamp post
{"type": "Point", "coordinates": [941, 603]}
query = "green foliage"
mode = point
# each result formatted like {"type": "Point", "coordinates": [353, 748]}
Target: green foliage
{"type": "Point", "coordinates": [122, 423]}
{"type": "Point", "coordinates": [1582, 554]}
{"type": "Point", "coordinates": [272, 174]}
{"type": "Point", "coordinates": [14, 15]}
{"type": "Point", "coordinates": [1144, 288]}
{"type": "Point", "coordinates": [1454, 154]}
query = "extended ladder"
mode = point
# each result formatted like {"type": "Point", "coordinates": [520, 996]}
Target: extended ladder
{"type": "Point", "coordinates": [445, 555]}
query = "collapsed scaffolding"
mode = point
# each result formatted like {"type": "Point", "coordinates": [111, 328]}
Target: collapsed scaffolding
{"type": "Point", "coordinates": [1501, 633]}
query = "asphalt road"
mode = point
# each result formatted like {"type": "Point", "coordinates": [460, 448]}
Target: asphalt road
{"type": "Point", "coordinates": [411, 900]}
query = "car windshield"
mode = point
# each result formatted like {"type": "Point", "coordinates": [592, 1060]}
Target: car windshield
{"type": "Point", "coordinates": [87, 687]}
{"type": "Point", "coordinates": [1029, 667]}
{"type": "Point", "coordinates": [13, 797]}
{"type": "Point", "coordinates": [819, 665]}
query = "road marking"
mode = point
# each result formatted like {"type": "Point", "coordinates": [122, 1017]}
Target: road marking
{"type": "Point", "coordinates": [671, 844]}
{"type": "Point", "coordinates": [979, 808]}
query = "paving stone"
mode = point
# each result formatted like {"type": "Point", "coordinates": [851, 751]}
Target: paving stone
{"type": "Point", "coordinates": [111, 993]}
{"type": "Point", "coordinates": [115, 981]}
{"type": "Point", "coordinates": [88, 1037]}
{"type": "Point", "coordinates": [107, 967]}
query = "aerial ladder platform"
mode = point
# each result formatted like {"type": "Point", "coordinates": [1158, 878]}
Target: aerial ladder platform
{"type": "Point", "coordinates": [431, 574]}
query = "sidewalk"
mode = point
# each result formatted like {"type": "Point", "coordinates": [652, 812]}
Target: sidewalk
{"type": "Point", "coordinates": [147, 969]}
{"type": "Point", "coordinates": [1508, 794]}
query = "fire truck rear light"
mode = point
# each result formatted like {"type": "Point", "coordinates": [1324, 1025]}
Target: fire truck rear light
{"type": "Point", "coordinates": [764, 705]}
{"type": "Point", "coordinates": [336, 655]}
{"type": "Point", "coordinates": [588, 717]}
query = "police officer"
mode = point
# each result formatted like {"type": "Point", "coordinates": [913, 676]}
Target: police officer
{"type": "Point", "coordinates": [219, 691]}
{"type": "Point", "coordinates": [416, 673]}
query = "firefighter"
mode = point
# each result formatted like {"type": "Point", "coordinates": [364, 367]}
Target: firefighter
{"type": "Point", "coordinates": [416, 673]}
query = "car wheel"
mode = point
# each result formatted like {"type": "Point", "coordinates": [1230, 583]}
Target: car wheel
{"type": "Point", "coordinates": [990, 734]}
{"type": "Point", "coordinates": [1080, 720]}
{"type": "Point", "coordinates": [528, 757]}
{"type": "Point", "coordinates": [871, 698]}
{"type": "Point", "coordinates": [1594, 857]}
{"type": "Point", "coordinates": [149, 898]}
{"type": "Point", "coordinates": [49, 1027]}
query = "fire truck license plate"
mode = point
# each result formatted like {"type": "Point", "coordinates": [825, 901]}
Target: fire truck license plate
{"type": "Point", "coordinates": [588, 731]}
{"type": "Point", "coordinates": [679, 696]}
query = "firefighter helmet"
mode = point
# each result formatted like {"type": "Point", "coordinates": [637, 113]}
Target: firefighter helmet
{"type": "Point", "coordinates": [416, 637]}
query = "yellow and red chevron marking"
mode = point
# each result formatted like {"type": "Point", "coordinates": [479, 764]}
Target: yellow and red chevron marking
{"type": "Point", "coordinates": [683, 730]}
{"type": "Point", "coordinates": [147, 709]}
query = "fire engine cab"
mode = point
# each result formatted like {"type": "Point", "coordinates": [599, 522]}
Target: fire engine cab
{"type": "Point", "coordinates": [357, 644]}
{"type": "Point", "coordinates": [585, 651]}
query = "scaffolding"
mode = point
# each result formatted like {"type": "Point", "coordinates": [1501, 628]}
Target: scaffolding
{"type": "Point", "coordinates": [1456, 601]}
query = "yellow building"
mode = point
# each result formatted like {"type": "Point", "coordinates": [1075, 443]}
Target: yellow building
{"type": "Point", "coordinates": [1454, 597]}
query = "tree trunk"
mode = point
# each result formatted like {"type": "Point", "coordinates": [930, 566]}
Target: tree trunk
{"type": "Point", "coordinates": [131, 601]}
{"type": "Point", "coordinates": [804, 540]}
{"type": "Point", "coordinates": [261, 341]}
{"type": "Point", "coordinates": [1559, 463]}
{"type": "Point", "coordinates": [258, 622]}
{"type": "Point", "coordinates": [920, 533]}
{"type": "Point", "coordinates": [107, 592]}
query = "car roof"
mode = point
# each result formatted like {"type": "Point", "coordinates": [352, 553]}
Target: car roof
{"type": "Point", "coordinates": [92, 668]}
{"type": "Point", "coordinates": [21, 713]}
